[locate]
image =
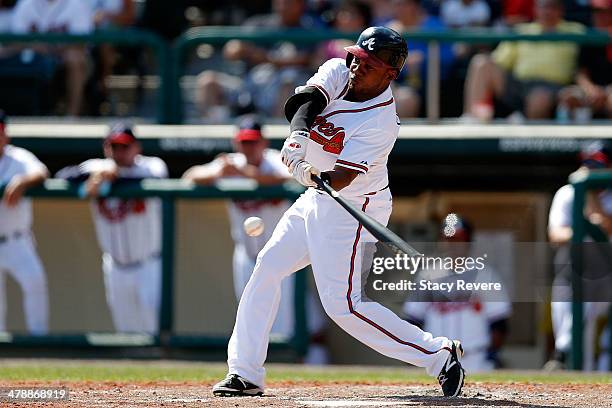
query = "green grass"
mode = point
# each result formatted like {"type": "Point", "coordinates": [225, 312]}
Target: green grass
{"type": "Point", "coordinates": [139, 371]}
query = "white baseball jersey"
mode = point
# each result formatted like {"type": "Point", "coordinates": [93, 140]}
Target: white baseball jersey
{"type": "Point", "coordinates": [560, 214]}
{"type": "Point", "coordinates": [371, 126]}
{"type": "Point", "coordinates": [129, 229]}
{"type": "Point", "coordinates": [18, 255]}
{"type": "Point", "coordinates": [456, 13]}
{"type": "Point", "coordinates": [66, 16]}
{"type": "Point", "coordinates": [17, 161]}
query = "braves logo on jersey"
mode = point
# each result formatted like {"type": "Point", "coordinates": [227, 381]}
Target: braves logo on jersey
{"type": "Point", "coordinates": [117, 210]}
{"type": "Point", "coordinates": [330, 136]}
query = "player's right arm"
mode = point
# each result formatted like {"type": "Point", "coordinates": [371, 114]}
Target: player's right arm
{"type": "Point", "coordinates": [206, 174]}
{"type": "Point", "coordinates": [34, 173]}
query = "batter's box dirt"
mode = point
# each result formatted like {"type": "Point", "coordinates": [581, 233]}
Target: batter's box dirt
{"type": "Point", "coordinates": [314, 394]}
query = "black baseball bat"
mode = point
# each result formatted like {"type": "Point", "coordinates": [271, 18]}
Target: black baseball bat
{"type": "Point", "coordinates": [379, 231]}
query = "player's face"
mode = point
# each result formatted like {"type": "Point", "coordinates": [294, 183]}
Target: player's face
{"type": "Point", "coordinates": [365, 77]}
{"type": "Point", "coordinates": [3, 139]}
{"type": "Point", "coordinates": [123, 155]}
{"type": "Point", "coordinates": [252, 150]}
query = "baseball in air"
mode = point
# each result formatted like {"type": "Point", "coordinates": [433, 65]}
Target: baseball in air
{"type": "Point", "coordinates": [254, 226]}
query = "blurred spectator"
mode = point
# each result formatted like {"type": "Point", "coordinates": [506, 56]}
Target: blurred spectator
{"type": "Point", "coordinates": [272, 74]}
{"type": "Point", "coordinates": [128, 230]}
{"type": "Point", "coordinates": [253, 160]}
{"type": "Point", "coordinates": [592, 93]}
{"type": "Point", "coordinates": [382, 12]}
{"type": "Point", "coordinates": [113, 13]}
{"type": "Point", "coordinates": [596, 156]}
{"type": "Point", "coordinates": [19, 171]}
{"type": "Point", "coordinates": [478, 321]}
{"type": "Point", "coordinates": [410, 16]}
{"type": "Point", "coordinates": [107, 14]}
{"type": "Point", "coordinates": [6, 13]}
{"type": "Point", "coordinates": [524, 75]}
{"type": "Point", "coordinates": [517, 11]}
{"type": "Point", "coordinates": [351, 16]}
{"type": "Point", "coordinates": [465, 13]}
{"type": "Point", "coordinates": [52, 16]}
{"type": "Point", "coordinates": [166, 18]}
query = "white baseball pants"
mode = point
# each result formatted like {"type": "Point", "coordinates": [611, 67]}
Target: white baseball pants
{"type": "Point", "coordinates": [19, 259]}
{"type": "Point", "coordinates": [133, 295]}
{"type": "Point", "coordinates": [285, 318]}
{"type": "Point", "coordinates": [318, 231]}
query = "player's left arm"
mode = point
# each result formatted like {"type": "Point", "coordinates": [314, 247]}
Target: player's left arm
{"type": "Point", "coordinates": [340, 177]}
{"type": "Point", "coordinates": [35, 173]}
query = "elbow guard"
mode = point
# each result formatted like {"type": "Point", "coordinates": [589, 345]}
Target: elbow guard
{"type": "Point", "coordinates": [307, 94]}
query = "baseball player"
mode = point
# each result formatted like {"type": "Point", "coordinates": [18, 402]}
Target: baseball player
{"type": "Point", "coordinates": [128, 230]}
{"type": "Point", "coordinates": [20, 170]}
{"type": "Point", "coordinates": [598, 209]}
{"type": "Point", "coordinates": [479, 322]}
{"type": "Point", "coordinates": [252, 159]}
{"type": "Point", "coordinates": [343, 127]}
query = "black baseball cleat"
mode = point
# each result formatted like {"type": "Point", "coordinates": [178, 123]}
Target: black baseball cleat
{"type": "Point", "coordinates": [235, 386]}
{"type": "Point", "coordinates": [452, 375]}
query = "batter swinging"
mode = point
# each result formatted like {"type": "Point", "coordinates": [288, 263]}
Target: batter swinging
{"type": "Point", "coordinates": [343, 127]}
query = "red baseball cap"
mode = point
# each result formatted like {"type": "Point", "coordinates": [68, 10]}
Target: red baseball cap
{"type": "Point", "coordinates": [250, 131]}
{"type": "Point", "coordinates": [121, 135]}
{"type": "Point", "coordinates": [601, 4]}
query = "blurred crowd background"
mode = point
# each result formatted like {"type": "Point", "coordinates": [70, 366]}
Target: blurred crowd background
{"type": "Point", "coordinates": [519, 81]}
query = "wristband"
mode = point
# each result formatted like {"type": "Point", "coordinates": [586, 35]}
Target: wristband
{"type": "Point", "coordinates": [302, 133]}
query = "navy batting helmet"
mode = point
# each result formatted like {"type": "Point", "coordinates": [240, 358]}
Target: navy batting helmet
{"type": "Point", "coordinates": [381, 46]}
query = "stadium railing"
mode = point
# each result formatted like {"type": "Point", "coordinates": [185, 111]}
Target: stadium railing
{"type": "Point", "coordinates": [171, 57]}
{"type": "Point", "coordinates": [169, 190]}
{"type": "Point", "coordinates": [583, 181]}
{"type": "Point", "coordinates": [119, 37]}
{"type": "Point", "coordinates": [221, 35]}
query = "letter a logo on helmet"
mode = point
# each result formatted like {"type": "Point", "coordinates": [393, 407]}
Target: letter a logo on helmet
{"type": "Point", "coordinates": [380, 46]}
{"type": "Point", "coordinates": [369, 43]}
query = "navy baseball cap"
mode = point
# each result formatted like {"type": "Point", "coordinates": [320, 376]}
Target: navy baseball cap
{"type": "Point", "coordinates": [121, 134]}
{"type": "Point", "coordinates": [596, 155]}
{"type": "Point", "coordinates": [249, 130]}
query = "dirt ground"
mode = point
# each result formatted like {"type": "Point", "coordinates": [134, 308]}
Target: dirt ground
{"type": "Point", "coordinates": [309, 394]}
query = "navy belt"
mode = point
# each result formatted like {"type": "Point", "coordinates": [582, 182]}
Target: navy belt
{"type": "Point", "coordinates": [15, 235]}
{"type": "Point", "coordinates": [135, 264]}
{"type": "Point", "coordinates": [366, 194]}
